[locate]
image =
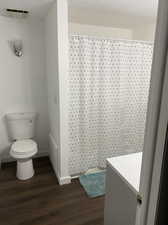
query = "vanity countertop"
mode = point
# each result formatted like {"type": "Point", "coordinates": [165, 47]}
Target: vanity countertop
{"type": "Point", "coordinates": [128, 167]}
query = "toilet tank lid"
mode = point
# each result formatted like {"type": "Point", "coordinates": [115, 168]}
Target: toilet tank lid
{"type": "Point", "coordinates": [21, 116]}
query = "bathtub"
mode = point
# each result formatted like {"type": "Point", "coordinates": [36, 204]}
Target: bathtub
{"type": "Point", "coordinates": [122, 188]}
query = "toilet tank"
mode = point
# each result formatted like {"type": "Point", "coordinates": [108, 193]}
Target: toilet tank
{"type": "Point", "coordinates": [21, 125]}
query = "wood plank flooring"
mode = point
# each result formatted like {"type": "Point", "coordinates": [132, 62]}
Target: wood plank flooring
{"type": "Point", "coordinates": [41, 201]}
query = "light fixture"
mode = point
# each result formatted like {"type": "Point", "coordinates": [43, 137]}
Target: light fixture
{"type": "Point", "coordinates": [17, 47]}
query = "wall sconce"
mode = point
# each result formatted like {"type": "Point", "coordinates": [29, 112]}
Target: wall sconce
{"type": "Point", "coordinates": [17, 47]}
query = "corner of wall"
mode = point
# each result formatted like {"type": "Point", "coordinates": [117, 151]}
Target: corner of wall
{"type": "Point", "coordinates": [55, 161]}
{"type": "Point", "coordinates": [57, 73]}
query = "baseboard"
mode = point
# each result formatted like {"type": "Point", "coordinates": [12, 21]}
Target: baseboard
{"type": "Point", "coordinates": [75, 177]}
{"type": "Point", "coordinates": [41, 154]}
{"type": "Point", "coordinates": [64, 180]}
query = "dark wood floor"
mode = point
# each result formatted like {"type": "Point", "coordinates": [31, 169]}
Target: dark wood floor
{"type": "Point", "coordinates": [41, 201]}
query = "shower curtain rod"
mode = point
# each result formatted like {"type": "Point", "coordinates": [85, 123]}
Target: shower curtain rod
{"type": "Point", "coordinates": [111, 39]}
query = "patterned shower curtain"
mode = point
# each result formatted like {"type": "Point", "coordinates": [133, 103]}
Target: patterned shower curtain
{"type": "Point", "coordinates": [109, 83]}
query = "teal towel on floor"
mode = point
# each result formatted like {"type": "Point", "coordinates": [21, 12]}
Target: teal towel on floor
{"type": "Point", "coordinates": [94, 184]}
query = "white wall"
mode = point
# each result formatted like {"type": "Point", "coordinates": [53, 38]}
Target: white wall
{"type": "Point", "coordinates": [145, 32]}
{"type": "Point", "coordinates": [22, 80]}
{"type": "Point", "coordinates": [100, 31]}
{"type": "Point", "coordinates": [53, 85]}
{"type": "Point", "coordinates": [63, 65]}
{"type": "Point", "coordinates": [104, 18]}
{"type": "Point", "coordinates": [57, 43]}
{"type": "Point", "coordinates": [89, 22]}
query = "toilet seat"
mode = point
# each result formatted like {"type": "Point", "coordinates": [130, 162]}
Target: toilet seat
{"type": "Point", "coordinates": [23, 148]}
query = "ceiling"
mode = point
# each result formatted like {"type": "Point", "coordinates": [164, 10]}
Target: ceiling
{"type": "Point", "coordinates": [37, 8]}
{"type": "Point", "coordinates": [141, 8]}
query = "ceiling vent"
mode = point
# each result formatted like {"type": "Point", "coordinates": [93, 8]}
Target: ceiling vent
{"type": "Point", "coordinates": [14, 13]}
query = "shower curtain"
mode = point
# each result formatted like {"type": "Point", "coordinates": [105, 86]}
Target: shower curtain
{"type": "Point", "coordinates": [109, 83]}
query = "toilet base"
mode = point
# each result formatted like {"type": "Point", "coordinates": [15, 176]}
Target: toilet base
{"type": "Point", "coordinates": [25, 169]}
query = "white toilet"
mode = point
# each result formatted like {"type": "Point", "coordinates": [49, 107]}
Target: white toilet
{"type": "Point", "coordinates": [21, 127]}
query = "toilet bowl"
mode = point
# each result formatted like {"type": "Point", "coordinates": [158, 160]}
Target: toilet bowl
{"type": "Point", "coordinates": [21, 128]}
{"type": "Point", "coordinates": [23, 151]}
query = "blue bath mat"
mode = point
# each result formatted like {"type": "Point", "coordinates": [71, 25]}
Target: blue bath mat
{"type": "Point", "coordinates": [94, 184]}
